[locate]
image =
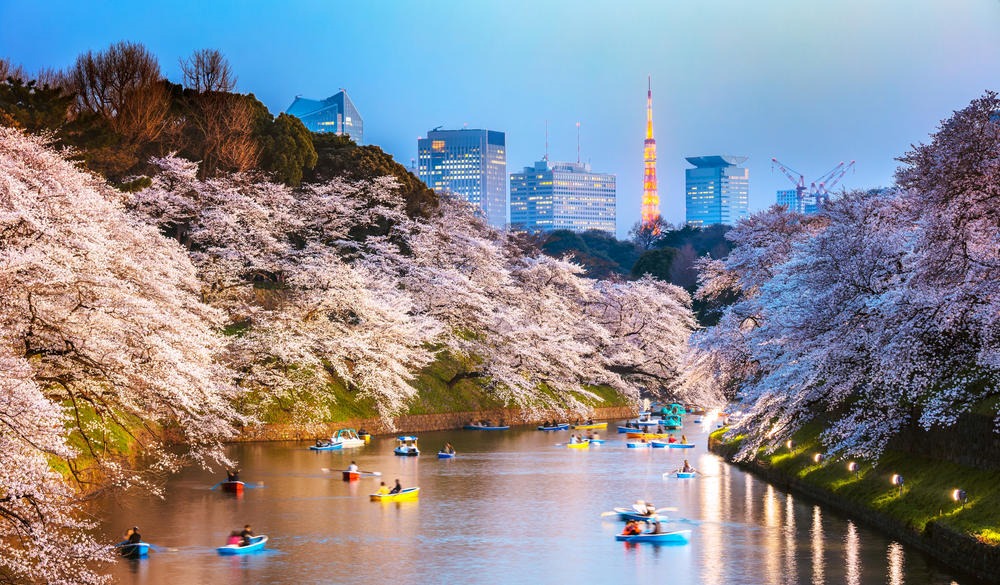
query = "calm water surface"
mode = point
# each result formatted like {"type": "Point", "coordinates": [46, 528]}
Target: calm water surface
{"type": "Point", "coordinates": [513, 507]}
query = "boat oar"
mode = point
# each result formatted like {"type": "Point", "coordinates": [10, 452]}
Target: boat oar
{"type": "Point", "coordinates": [606, 514]}
{"type": "Point", "coordinates": [216, 485]}
{"type": "Point", "coordinates": [667, 509]}
{"type": "Point", "coordinates": [159, 548]}
{"type": "Point", "coordinates": [371, 473]}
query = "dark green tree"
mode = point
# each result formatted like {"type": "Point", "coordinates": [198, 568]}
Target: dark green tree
{"type": "Point", "coordinates": [657, 263]}
{"type": "Point", "coordinates": [286, 149]}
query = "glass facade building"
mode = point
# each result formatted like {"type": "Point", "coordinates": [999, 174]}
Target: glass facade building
{"type": "Point", "coordinates": [717, 190]}
{"type": "Point", "coordinates": [335, 114]}
{"type": "Point", "coordinates": [469, 163]}
{"type": "Point", "coordinates": [562, 196]}
{"type": "Point", "coordinates": [789, 199]}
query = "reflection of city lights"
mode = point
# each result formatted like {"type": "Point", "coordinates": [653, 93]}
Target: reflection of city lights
{"type": "Point", "coordinates": [895, 558]}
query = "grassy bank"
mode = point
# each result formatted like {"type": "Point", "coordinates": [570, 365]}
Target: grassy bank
{"type": "Point", "coordinates": [924, 500]}
{"type": "Point", "coordinates": [443, 386]}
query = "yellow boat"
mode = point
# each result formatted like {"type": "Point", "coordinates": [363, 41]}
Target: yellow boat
{"type": "Point", "coordinates": [648, 435]}
{"type": "Point", "coordinates": [602, 425]}
{"type": "Point", "coordinates": [407, 495]}
{"type": "Point", "coordinates": [582, 445]}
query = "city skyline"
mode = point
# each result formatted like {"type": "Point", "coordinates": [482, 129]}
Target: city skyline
{"type": "Point", "coordinates": [810, 85]}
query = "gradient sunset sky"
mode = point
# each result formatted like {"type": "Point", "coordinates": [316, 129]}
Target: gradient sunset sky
{"type": "Point", "coordinates": [809, 82]}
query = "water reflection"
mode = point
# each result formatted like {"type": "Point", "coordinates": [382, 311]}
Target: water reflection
{"type": "Point", "coordinates": [851, 552]}
{"type": "Point", "coordinates": [511, 508]}
{"type": "Point", "coordinates": [817, 546]}
{"type": "Point", "coordinates": [895, 558]}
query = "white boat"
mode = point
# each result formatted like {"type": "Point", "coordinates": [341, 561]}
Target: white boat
{"type": "Point", "coordinates": [406, 446]}
{"type": "Point", "coordinates": [347, 438]}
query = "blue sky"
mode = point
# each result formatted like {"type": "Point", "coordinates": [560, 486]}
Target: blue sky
{"type": "Point", "coordinates": [809, 82]}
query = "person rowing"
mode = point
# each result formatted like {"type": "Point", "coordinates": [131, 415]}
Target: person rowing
{"type": "Point", "coordinates": [397, 488]}
{"type": "Point", "coordinates": [687, 467]}
{"type": "Point", "coordinates": [353, 467]}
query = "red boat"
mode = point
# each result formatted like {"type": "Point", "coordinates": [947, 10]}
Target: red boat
{"type": "Point", "coordinates": [352, 475]}
{"type": "Point", "coordinates": [233, 487]}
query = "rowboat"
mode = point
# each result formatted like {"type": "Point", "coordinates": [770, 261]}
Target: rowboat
{"type": "Point", "coordinates": [632, 514]}
{"type": "Point", "coordinates": [558, 427]}
{"type": "Point", "coordinates": [641, 435]}
{"type": "Point", "coordinates": [256, 544]}
{"type": "Point", "coordinates": [233, 487]}
{"type": "Point", "coordinates": [685, 474]}
{"type": "Point", "coordinates": [682, 445]}
{"type": "Point", "coordinates": [476, 427]}
{"type": "Point", "coordinates": [580, 445]}
{"type": "Point", "coordinates": [132, 550]}
{"type": "Point", "coordinates": [406, 446]}
{"type": "Point", "coordinates": [675, 537]}
{"type": "Point", "coordinates": [637, 445]}
{"type": "Point", "coordinates": [351, 475]}
{"type": "Point", "coordinates": [602, 425]}
{"type": "Point", "coordinates": [658, 444]}
{"type": "Point", "coordinates": [596, 441]}
{"type": "Point", "coordinates": [366, 437]}
{"type": "Point", "coordinates": [325, 446]}
{"type": "Point", "coordinates": [406, 495]}
{"type": "Point", "coordinates": [627, 429]}
{"type": "Point", "coordinates": [444, 455]}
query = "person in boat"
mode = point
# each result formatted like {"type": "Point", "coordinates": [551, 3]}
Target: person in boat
{"type": "Point", "coordinates": [650, 509]}
{"type": "Point", "coordinates": [353, 467]}
{"type": "Point", "coordinates": [234, 538]}
{"type": "Point", "coordinates": [246, 535]}
{"type": "Point", "coordinates": [382, 489]}
{"type": "Point", "coordinates": [687, 467]}
{"type": "Point", "coordinates": [655, 526]}
{"type": "Point", "coordinates": [590, 421]}
{"type": "Point", "coordinates": [572, 440]}
{"type": "Point", "coordinates": [396, 488]}
{"type": "Point", "coordinates": [684, 440]}
{"type": "Point", "coordinates": [672, 438]}
{"type": "Point", "coordinates": [632, 528]}
{"type": "Point", "coordinates": [362, 431]}
{"type": "Point", "coordinates": [448, 448]}
{"type": "Point", "coordinates": [232, 475]}
{"type": "Point", "coordinates": [133, 536]}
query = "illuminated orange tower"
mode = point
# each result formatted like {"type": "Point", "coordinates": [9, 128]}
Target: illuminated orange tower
{"type": "Point", "coordinates": [650, 196]}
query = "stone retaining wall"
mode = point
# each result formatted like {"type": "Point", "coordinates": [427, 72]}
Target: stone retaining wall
{"type": "Point", "coordinates": [411, 423]}
{"type": "Point", "coordinates": [962, 553]}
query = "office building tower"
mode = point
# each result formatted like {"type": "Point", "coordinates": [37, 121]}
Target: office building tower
{"type": "Point", "coordinates": [562, 196]}
{"type": "Point", "coordinates": [336, 114]}
{"type": "Point", "coordinates": [469, 163]}
{"type": "Point", "coordinates": [717, 190]}
{"type": "Point", "coordinates": [790, 199]}
{"type": "Point", "coordinates": [650, 194]}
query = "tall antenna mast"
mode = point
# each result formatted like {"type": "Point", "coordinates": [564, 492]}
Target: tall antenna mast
{"type": "Point", "coordinates": [546, 159]}
{"type": "Point", "coordinates": [577, 143]}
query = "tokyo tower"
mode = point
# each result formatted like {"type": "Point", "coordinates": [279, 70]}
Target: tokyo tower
{"type": "Point", "coordinates": [650, 197]}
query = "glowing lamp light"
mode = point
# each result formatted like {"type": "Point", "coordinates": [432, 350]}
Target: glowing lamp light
{"type": "Point", "coordinates": [817, 457]}
{"type": "Point", "coordinates": [852, 466]}
{"type": "Point", "coordinates": [789, 444]}
{"type": "Point", "coordinates": [959, 495]}
{"type": "Point", "coordinates": [897, 480]}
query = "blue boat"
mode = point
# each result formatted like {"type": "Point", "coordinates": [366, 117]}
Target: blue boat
{"type": "Point", "coordinates": [636, 445]}
{"type": "Point", "coordinates": [685, 474]}
{"type": "Point", "coordinates": [658, 444]}
{"type": "Point", "coordinates": [444, 455]}
{"type": "Point", "coordinates": [406, 446]}
{"type": "Point", "coordinates": [596, 441]}
{"type": "Point", "coordinates": [682, 445]}
{"type": "Point", "coordinates": [326, 446]}
{"type": "Point", "coordinates": [133, 550]}
{"type": "Point", "coordinates": [256, 544]}
{"type": "Point", "coordinates": [475, 427]}
{"type": "Point", "coordinates": [632, 514]}
{"type": "Point", "coordinates": [675, 537]}
{"type": "Point", "coordinates": [558, 427]}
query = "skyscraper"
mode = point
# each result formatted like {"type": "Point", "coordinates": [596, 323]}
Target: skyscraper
{"type": "Point", "coordinates": [468, 163]}
{"type": "Point", "coordinates": [717, 190]}
{"type": "Point", "coordinates": [335, 114]}
{"type": "Point", "coordinates": [650, 195]}
{"type": "Point", "coordinates": [562, 195]}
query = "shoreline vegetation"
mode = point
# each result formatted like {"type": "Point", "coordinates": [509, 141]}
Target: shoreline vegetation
{"type": "Point", "coordinates": [924, 512]}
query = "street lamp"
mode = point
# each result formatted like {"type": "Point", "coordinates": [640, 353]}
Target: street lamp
{"type": "Point", "coordinates": [897, 480]}
{"type": "Point", "coordinates": [959, 495]}
{"type": "Point", "coordinates": [789, 444]}
{"type": "Point", "coordinates": [852, 466]}
{"type": "Point", "coordinates": [817, 457]}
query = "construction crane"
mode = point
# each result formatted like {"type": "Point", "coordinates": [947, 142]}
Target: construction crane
{"type": "Point", "coordinates": [819, 190]}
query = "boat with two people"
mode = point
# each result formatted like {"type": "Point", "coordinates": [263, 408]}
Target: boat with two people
{"type": "Point", "coordinates": [485, 425]}
{"type": "Point", "coordinates": [406, 446]}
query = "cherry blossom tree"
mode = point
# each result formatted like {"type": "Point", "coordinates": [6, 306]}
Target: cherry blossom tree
{"type": "Point", "coordinates": [99, 315]}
